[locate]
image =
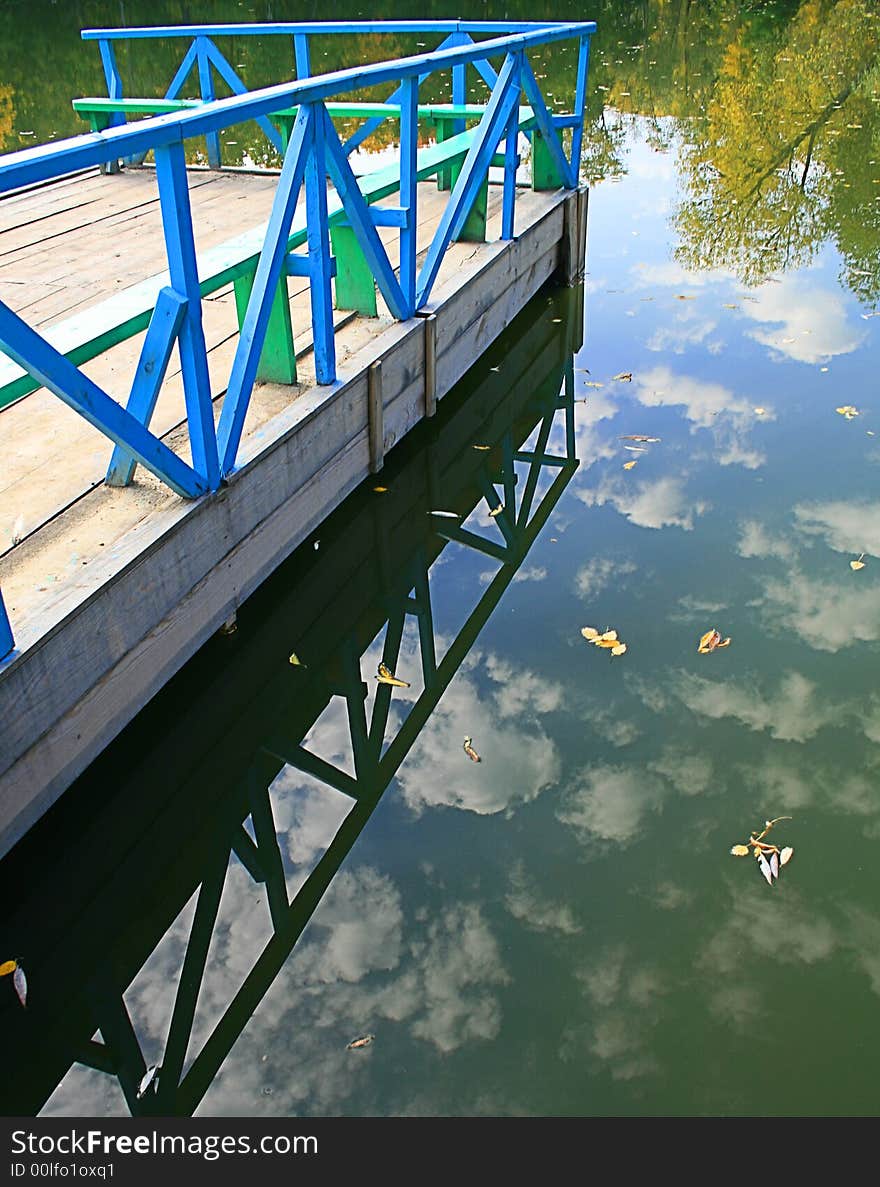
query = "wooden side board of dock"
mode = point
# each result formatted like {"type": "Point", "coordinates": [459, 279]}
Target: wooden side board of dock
{"type": "Point", "coordinates": [147, 577]}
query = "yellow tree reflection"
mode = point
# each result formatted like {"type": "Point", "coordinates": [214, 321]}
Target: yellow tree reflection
{"type": "Point", "coordinates": [780, 164]}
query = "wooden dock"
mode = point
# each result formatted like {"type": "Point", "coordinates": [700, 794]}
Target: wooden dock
{"type": "Point", "coordinates": [197, 365]}
{"type": "Point", "coordinates": [111, 589]}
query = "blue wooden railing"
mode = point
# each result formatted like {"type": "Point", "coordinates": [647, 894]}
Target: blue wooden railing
{"type": "Point", "coordinates": [203, 58]}
{"type": "Point", "coordinates": [314, 152]}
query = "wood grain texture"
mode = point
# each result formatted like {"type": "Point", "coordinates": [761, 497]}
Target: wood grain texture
{"type": "Point", "coordinates": [95, 652]}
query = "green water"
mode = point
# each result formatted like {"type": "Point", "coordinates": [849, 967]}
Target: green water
{"type": "Point", "coordinates": [559, 929]}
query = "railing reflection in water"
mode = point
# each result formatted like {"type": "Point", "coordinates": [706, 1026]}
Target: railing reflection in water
{"type": "Point", "coordinates": [117, 865]}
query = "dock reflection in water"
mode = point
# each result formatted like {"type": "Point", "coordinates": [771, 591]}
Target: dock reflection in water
{"type": "Point", "coordinates": [131, 864]}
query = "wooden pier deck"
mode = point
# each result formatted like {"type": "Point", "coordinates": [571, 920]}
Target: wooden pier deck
{"type": "Point", "coordinates": [111, 589]}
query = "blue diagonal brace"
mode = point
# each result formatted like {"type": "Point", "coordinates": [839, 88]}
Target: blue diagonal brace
{"type": "Point", "coordinates": [183, 269]}
{"type": "Point", "coordinates": [155, 353]}
{"type": "Point", "coordinates": [472, 540]}
{"type": "Point", "coordinates": [360, 217]}
{"type": "Point", "coordinates": [371, 125]}
{"type": "Point", "coordinates": [487, 74]}
{"type": "Point", "coordinates": [473, 172]}
{"type": "Point", "coordinates": [268, 273]}
{"type": "Point", "coordinates": [238, 88]}
{"type": "Point", "coordinates": [69, 384]}
{"type": "Point", "coordinates": [182, 73]}
{"type": "Point", "coordinates": [546, 126]}
{"type": "Point", "coordinates": [7, 643]}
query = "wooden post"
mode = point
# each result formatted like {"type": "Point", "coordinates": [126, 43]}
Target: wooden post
{"type": "Point", "coordinates": [568, 269]}
{"type": "Point", "coordinates": [430, 364]}
{"type": "Point", "coordinates": [278, 357]}
{"type": "Point", "coordinates": [545, 173]}
{"type": "Point", "coordinates": [583, 209]}
{"type": "Point", "coordinates": [375, 417]}
{"type": "Point", "coordinates": [474, 229]}
{"type": "Point", "coordinates": [355, 287]}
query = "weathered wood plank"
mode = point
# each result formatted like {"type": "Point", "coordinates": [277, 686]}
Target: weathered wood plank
{"type": "Point", "coordinates": [96, 653]}
{"type": "Point", "coordinates": [375, 419]}
{"type": "Point", "coordinates": [89, 725]}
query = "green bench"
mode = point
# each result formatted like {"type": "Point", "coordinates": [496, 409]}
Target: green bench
{"type": "Point", "coordinates": [443, 117]}
{"type": "Point", "coordinates": [113, 320]}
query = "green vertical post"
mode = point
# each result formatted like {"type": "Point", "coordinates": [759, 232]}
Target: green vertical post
{"type": "Point", "coordinates": [545, 174]}
{"type": "Point", "coordinates": [444, 130]}
{"type": "Point", "coordinates": [355, 286]}
{"type": "Point", "coordinates": [278, 360]}
{"type": "Point", "coordinates": [474, 229]}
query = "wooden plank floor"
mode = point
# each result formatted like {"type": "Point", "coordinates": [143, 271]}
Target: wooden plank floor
{"type": "Point", "coordinates": [113, 589]}
{"type": "Point", "coordinates": [89, 237]}
{"type": "Point", "coordinates": [69, 245]}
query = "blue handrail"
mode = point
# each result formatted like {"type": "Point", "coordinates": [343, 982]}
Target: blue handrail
{"type": "Point", "coordinates": [314, 152]}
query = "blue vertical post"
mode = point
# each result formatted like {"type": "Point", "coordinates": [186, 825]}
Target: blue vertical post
{"type": "Point", "coordinates": [301, 55]}
{"type": "Point", "coordinates": [112, 76]}
{"type": "Point", "coordinates": [511, 160]}
{"type": "Point", "coordinates": [317, 234]}
{"type": "Point", "coordinates": [206, 84]}
{"type": "Point", "coordinates": [409, 142]}
{"type": "Point", "coordinates": [114, 91]}
{"type": "Point", "coordinates": [580, 103]}
{"type": "Point", "coordinates": [6, 641]}
{"type": "Point", "coordinates": [459, 91]}
{"type": "Point", "coordinates": [180, 246]}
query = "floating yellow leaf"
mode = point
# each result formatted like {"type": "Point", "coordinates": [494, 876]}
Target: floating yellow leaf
{"type": "Point", "coordinates": [590, 383]}
{"type": "Point", "coordinates": [727, 306]}
{"type": "Point", "coordinates": [386, 676]}
{"type": "Point", "coordinates": [620, 649]}
{"type": "Point", "coordinates": [624, 376]}
{"type": "Point", "coordinates": [857, 564]}
{"type": "Point", "coordinates": [608, 635]}
{"type": "Point", "coordinates": [629, 465]}
{"type": "Point", "coordinates": [682, 297]}
{"type": "Point", "coordinates": [609, 643]}
{"type": "Point", "coordinates": [380, 490]}
{"type": "Point", "coordinates": [848, 411]}
{"type": "Point", "coordinates": [364, 1041]}
{"type": "Point", "coordinates": [760, 411]}
{"type": "Point", "coordinates": [295, 660]}
{"type": "Point", "coordinates": [7, 967]}
{"type": "Point", "coordinates": [497, 510]}
{"type": "Point", "coordinates": [740, 851]}
{"type": "Point", "coordinates": [483, 447]}
{"type": "Point", "coordinates": [470, 752]}
{"type": "Point", "coordinates": [710, 640]}
{"type": "Point", "coordinates": [589, 632]}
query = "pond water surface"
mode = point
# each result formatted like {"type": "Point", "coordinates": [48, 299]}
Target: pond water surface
{"type": "Point", "coordinates": [560, 928]}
